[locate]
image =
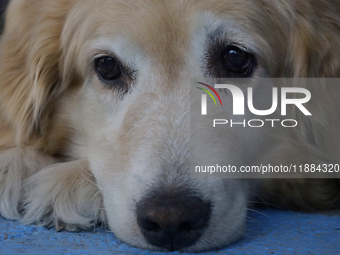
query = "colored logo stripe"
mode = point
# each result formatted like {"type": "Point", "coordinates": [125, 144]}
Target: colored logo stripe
{"type": "Point", "coordinates": [212, 90]}
{"type": "Point", "coordinates": [209, 94]}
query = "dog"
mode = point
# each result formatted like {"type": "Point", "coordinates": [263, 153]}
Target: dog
{"type": "Point", "coordinates": [94, 113]}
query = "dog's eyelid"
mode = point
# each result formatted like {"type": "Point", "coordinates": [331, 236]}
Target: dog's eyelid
{"type": "Point", "coordinates": [243, 47]}
{"type": "Point", "coordinates": [214, 43]}
{"type": "Point", "coordinates": [102, 53]}
{"type": "Point", "coordinates": [224, 39]}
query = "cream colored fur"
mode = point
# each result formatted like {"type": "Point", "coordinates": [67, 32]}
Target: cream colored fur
{"type": "Point", "coordinates": [73, 154]}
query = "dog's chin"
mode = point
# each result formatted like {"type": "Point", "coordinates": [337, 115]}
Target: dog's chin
{"type": "Point", "coordinates": [226, 224]}
{"type": "Point", "coordinates": [204, 244]}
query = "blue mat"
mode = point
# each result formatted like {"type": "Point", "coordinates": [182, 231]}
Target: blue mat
{"type": "Point", "coordinates": [268, 232]}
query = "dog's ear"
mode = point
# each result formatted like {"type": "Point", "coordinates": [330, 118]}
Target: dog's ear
{"type": "Point", "coordinates": [29, 65]}
{"type": "Point", "coordinates": [313, 52]}
{"type": "Point", "coordinates": [314, 42]}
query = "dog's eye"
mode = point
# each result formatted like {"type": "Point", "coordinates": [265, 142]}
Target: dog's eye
{"type": "Point", "coordinates": [229, 61]}
{"type": "Point", "coordinates": [238, 61]}
{"type": "Point", "coordinates": [108, 68]}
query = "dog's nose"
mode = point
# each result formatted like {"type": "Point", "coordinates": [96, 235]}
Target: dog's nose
{"type": "Point", "coordinates": [173, 222]}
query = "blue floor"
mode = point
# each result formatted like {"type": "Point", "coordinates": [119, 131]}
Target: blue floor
{"type": "Point", "coordinates": [268, 232]}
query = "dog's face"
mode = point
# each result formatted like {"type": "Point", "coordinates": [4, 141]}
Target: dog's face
{"type": "Point", "coordinates": [136, 62]}
{"type": "Point", "coordinates": [125, 68]}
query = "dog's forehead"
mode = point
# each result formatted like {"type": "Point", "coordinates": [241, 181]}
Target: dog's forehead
{"type": "Point", "coordinates": [159, 30]}
{"type": "Point", "coordinates": [162, 27]}
{"type": "Point", "coordinates": [165, 34]}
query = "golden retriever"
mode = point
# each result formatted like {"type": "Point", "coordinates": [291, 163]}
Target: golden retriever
{"type": "Point", "coordinates": [94, 112]}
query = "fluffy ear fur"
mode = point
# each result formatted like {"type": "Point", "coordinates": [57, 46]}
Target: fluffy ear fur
{"type": "Point", "coordinates": [313, 50]}
{"type": "Point", "coordinates": [29, 66]}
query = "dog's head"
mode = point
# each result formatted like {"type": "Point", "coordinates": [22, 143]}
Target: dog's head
{"type": "Point", "coordinates": [109, 81]}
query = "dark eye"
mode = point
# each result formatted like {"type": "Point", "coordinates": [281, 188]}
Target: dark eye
{"type": "Point", "coordinates": [108, 68]}
{"type": "Point", "coordinates": [238, 61]}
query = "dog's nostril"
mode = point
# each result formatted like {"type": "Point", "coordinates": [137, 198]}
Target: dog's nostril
{"type": "Point", "coordinates": [185, 227]}
{"type": "Point", "coordinates": [192, 225]}
{"type": "Point", "coordinates": [173, 222]}
{"type": "Point", "coordinates": [149, 225]}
